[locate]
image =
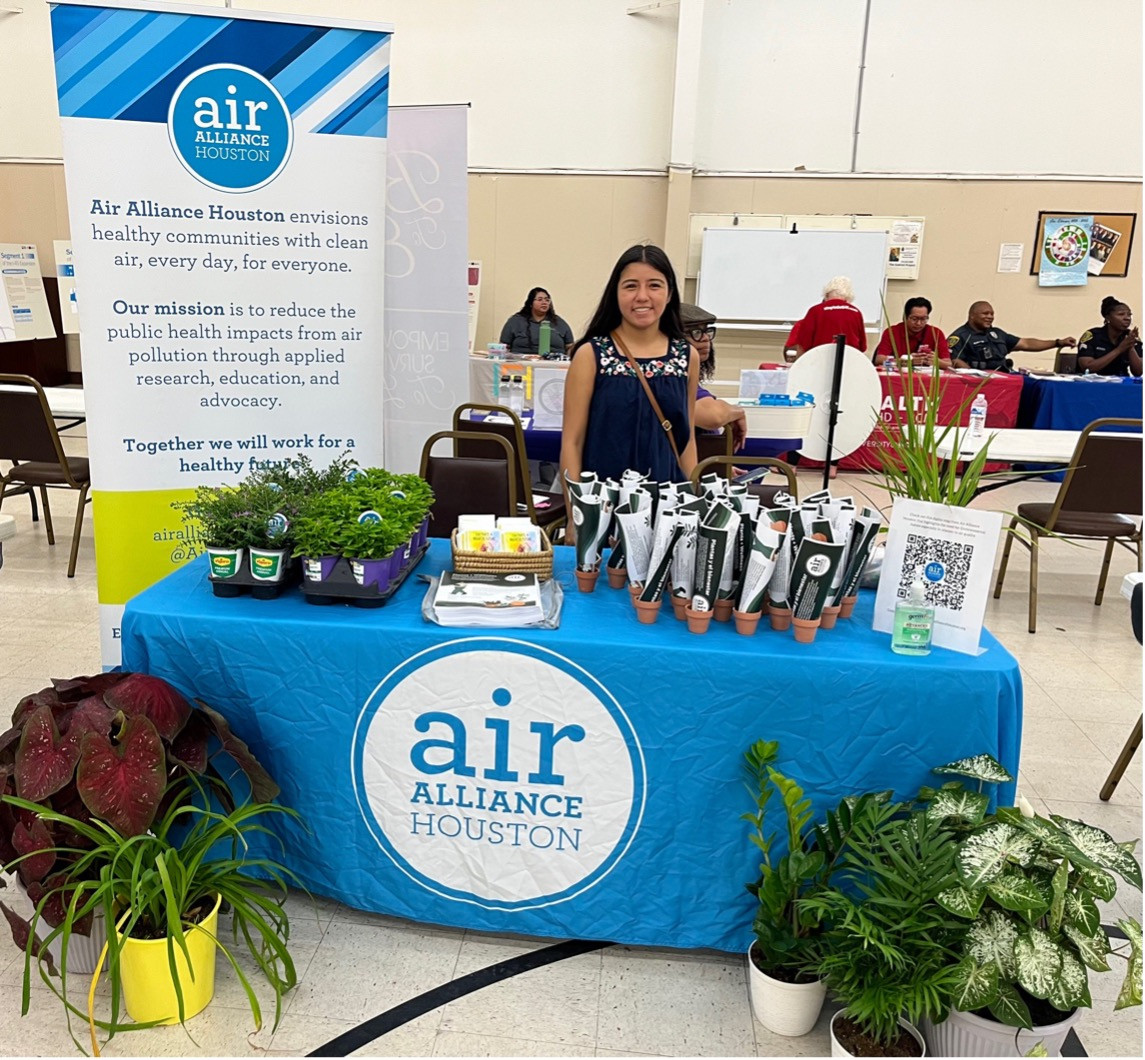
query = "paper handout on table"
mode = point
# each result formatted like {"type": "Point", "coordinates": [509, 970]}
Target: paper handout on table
{"type": "Point", "coordinates": [953, 550]}
{"type": "Point", "coordinates": [490, 600]}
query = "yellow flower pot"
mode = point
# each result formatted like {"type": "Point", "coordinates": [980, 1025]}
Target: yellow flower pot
{"type": "Point", "coordinates": [145, 975]}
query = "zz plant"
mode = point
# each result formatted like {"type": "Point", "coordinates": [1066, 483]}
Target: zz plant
{"type": "Point", "coordinates": [1027, 889]}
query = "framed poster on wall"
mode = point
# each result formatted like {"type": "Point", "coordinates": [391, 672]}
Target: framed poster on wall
{"type": "Point", "coordinates": [1111, 246]}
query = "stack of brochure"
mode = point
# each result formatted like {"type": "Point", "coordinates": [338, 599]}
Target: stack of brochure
{"type": "Point", "coordinates": [491, 600]}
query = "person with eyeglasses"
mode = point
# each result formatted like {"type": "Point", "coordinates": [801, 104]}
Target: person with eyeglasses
{"type": "Point", "coordinates": [915, 339]}
{"type": "Point", "coordinates": [522, 331]}
{"type": "Point", "coordinates": [712, 413]}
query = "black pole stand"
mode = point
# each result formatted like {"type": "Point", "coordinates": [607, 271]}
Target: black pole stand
{"type": "Point", "coordinates": [833, 406]}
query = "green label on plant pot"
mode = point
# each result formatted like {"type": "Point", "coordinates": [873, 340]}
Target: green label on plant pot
{"type": "Point", "coordinates": [266, 566]}
{"type": "Point", "coordinates": [225, 564]}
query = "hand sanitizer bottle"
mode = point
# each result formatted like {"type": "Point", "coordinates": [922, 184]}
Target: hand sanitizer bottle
{"type": "Point", "coordinates": [914, 622]}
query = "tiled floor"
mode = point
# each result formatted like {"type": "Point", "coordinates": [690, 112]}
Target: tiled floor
{"type": "Point", "coordinates": [1082, 675]}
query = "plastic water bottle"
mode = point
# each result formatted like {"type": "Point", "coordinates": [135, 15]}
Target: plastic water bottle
{"type": "Point", "coordinates": [544, 338]}
{"type": "Point", "coordinates": [978, 416]}
{"type": "Point", "coordinates": [517, 395]}
{"type": "Point", "coordinates": [889, 364]}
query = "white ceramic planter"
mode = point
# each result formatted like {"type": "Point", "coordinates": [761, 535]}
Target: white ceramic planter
{"type": "Point", "coordinates": [83, 950]}
{"type": "Point", "coordinates": [965, 1034]}
{"type": "Point", "coordinates": [838, 1050]}
{"type": "Point", "coordinates": [790, 1009]}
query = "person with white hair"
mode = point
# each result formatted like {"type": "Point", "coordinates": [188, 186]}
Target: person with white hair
{"type": "Point", "coordinates": [835, 315]}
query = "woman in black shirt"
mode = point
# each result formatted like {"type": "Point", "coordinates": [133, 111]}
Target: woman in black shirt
{"type": "Point", "coordinates": [1114, 348]}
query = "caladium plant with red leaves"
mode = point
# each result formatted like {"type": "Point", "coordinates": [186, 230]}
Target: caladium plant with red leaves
{"type": "Point", "coordinates": [108, 747]}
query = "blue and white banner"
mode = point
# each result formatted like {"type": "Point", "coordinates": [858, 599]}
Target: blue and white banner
{"type": "Point", "coordinates": [427, 311]}
{"type": "Point", "coordinates": [1066, 243]}
{"type": "Point", "coordinates": [226, 188]}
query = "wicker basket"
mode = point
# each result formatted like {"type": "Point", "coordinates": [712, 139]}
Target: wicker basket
{"type": "Point", "coordinates": [539, 563]}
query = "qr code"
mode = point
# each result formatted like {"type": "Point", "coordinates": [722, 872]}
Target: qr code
{"type": "Point", "coordinates": [946, 565]}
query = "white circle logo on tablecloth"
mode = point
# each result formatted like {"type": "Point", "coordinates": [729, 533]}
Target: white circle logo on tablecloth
{"type": "Point", "coordinates": [499, 773]}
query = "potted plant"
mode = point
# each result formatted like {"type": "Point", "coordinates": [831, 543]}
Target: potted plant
{"type": "Point", "coordinates": [226, 523]}
{"type": "Point", "coordinates": [162, 890]}
{"type": "Point", "coordinates": [1027, 888]}
{"type": "Point", "coordinates": [104, 747]}
{"type": "Point", "coordinates": [887, 948]}
{"type": "Point", "coordinates": [786, 992]}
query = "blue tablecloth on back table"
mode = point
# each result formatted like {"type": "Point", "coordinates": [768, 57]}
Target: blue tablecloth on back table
{"type": "Point", "coordinates": [1071, 404]}
{"type": "Point", "coordinates": [584, 782]}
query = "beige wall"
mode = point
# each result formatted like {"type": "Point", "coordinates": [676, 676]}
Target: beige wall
{"type": "Point", "coordinates": [564, 232]}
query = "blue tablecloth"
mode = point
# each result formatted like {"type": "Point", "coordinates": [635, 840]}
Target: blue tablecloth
{"type": "Point", "coordinates": [584, 782]}
{"type": "Point", "coordinates": [1071, 404]}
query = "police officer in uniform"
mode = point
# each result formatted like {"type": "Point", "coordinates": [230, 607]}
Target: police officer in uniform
{"type": "Point", "coordinates": [978, 344]}
{"type": "Point", "coordinates": [1115, 347]}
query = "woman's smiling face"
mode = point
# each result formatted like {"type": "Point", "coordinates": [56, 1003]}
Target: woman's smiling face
{"type": "Point", "coordinates": [642, 295]}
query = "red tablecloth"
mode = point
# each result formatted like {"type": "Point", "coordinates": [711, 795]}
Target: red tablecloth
{"type": "Point", "coordinates": [1002, 393]}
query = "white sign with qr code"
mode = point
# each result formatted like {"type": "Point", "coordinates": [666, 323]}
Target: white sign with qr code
{"type": "Point", "coordinates": [951, 550]}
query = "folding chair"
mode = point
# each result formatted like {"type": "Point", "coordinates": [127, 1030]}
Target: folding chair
{"type": "Point", "coordinates": [1100, 495]}
{"type": "Point", "coordinates": [712, 443]}
{"type": "Point", "coordinates": [467, 485]}
{"type": "Point", "coordinates": [551, 514]}
{"type": "Point", "coordinates": [1065, 363]}
{"type": "Point", "coordinates": [29, 438]}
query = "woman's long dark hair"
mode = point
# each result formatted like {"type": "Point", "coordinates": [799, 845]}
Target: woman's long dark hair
{"type": "Point", "coordinates": [607, 317]}
{"type": "Point", "coordinates": [526, 310]}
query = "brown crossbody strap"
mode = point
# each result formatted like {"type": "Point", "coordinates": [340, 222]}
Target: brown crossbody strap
{"type": "Point", "coordinates": [663, 420]}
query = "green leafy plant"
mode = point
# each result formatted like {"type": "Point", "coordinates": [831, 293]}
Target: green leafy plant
{"type": "Point", "coordinates": [786, 931]}
{"type": "Point", "coordinates": [111, 748]}
{"type": "Point", "coordinates": [1027, 888]}
{"type": "Point", "coordinates": [157, 884]}
{"type": "Point", "coordinates": [887, 947]}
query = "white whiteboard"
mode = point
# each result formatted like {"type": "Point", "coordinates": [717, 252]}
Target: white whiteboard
{"type": "Point", "coordinates": [755, 274]}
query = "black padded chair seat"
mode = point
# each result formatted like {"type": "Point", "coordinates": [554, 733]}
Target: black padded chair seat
{"type": "Point", "coordinates": [37, 473]}
{"type": "Point", "coordinates": [1079, 524]}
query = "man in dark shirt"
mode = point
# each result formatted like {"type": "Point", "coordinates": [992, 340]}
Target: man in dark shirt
{"type": "Point", "coordinates": [978, 344]}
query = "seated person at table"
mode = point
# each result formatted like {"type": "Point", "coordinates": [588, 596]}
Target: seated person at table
{"type": "Point", "coordinates": [712, 414]}
{"type": "Point", "coordinates": [835, 315]}
{"type": "Point", "coordinates": [915, 338]}
{"type": "Point", "coordinates": [609, 421]}
{"type": "Point", "coordinates": [978, 344]}
{"type": "Point", "coordinates": [1115, 347]}
{"type": "Point", "coordinates": [522, 331]}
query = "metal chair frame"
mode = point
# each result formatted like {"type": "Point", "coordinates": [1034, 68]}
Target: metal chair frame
{"type": "Point", "coordinates": [455, 437]}
{"type": "Point", "coordinates": [1080, 475]}
{"type": "Point", "coordinates": [45, 449]}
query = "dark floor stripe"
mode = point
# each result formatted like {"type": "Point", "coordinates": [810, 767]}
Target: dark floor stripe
{"type": "Point", "coordinates": [374, 1028]}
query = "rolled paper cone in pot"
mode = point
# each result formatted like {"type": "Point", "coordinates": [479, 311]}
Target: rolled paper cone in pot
{"type": "Point", "coordinates": [698, 621]}
{"type": "Point", "coordinates": [805, 629]}
{"type": "Point", "coordinates": [747, 622]}
{"type": "Point", "coordinates": [617, 576]}
{"type": "Point", "coordinates": [723, 610]}
{"type": "Point", "coordinates": [586, 580]}
{"type": "Point", "coordinates": [647, 610]}
{"type": "Point", "coordinates": [780, 617]}
{"type": "Point", "coordinates": [679, 606]}
{"type": "Point", "coordinates": [848, 606]}
{"type": "Point", "coordinates": [830, 615]}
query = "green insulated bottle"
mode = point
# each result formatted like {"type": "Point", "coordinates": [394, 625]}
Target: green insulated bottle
{"type": "Point", "coordinates": [544, 338]}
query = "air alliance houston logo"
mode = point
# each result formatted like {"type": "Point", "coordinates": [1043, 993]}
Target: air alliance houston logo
{"type": "Point", "coordinates": [230, 128]}
{"type": "Point", "coordinates": [498, 773]}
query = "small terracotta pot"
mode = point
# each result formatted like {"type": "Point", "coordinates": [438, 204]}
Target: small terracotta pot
{"type": "Point", "coordinates": [698, 621]}
{"type": "Point", "coordinates": [586, 580]}
{"type": "Point", "coordinates": [723, 610]}
{"type": "Point", "coordinates": [805, 629]}
{"type": "Point", "coordinates": [617, 576]}
{"type": "Point", "coordinates": [848, 606]}
{"type": "Point", "coordinates": [635, 590]}
{"type": "Point", "coordinates": [780, 617]}
{"type": "Point", "coordinates": [747, 621]}
{"type": "Point", "coordinates": [679, 605]}
{"type": "Point", "coordinates": [647, 611]}
{"type": "Point", "coordinates": [830, 616]}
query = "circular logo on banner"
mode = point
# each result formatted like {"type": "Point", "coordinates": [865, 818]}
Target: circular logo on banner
{"type": "Point", "coordinates": [499, 773]}
{"type": "Point", "coordinates": [230, 128]}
